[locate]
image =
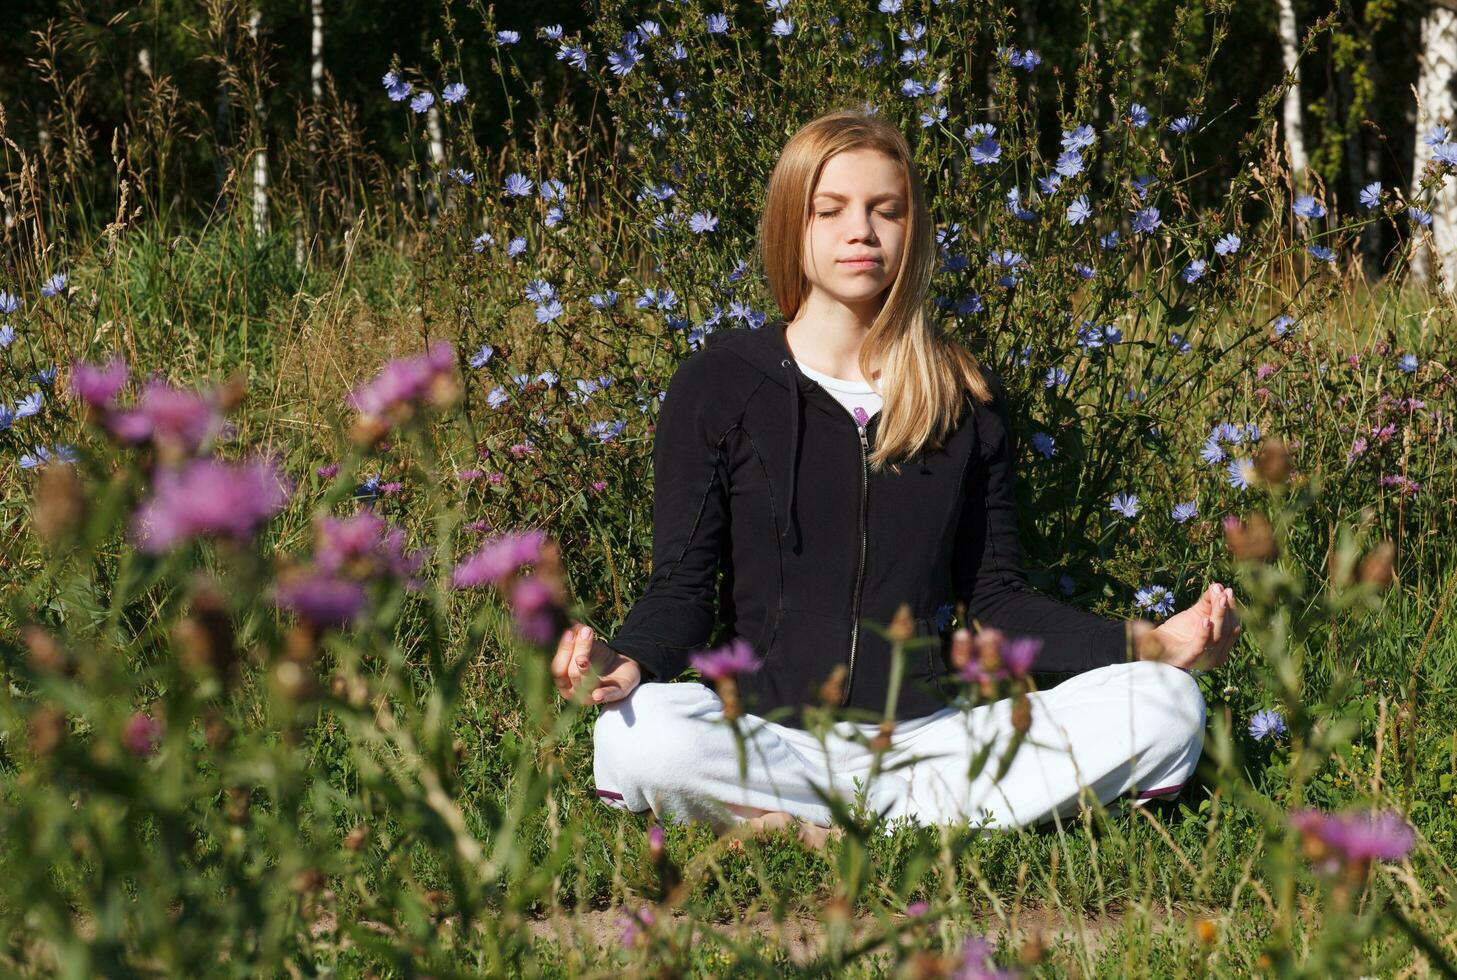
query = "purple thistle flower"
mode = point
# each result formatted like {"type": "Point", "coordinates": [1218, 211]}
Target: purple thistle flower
{"type": "Point", "coordinates": [408, 381]}
{"type": "Point", "coordinates": [209, 497]}
{"type": "Point", "coordinates": [1015, 655]}
{"type": "Point", "coordinates": [734, 658]}
{"type": "Point", "coordinates": [175, 418]}
{"type": "Point", "coordinates": [363, 545]}
{"type": "Point", "coordinates": [98, 385]}
{"type": "Point", "coordinates": [320, 597]}
{"type": "Point", "coordinates": [141, 734]}
{"type": "Point", "coordinates": [499, 558]}
{"type": "Point", "coordinates": [1266, 723]}
{"type": "Point", "coordinates": [1355, 837]}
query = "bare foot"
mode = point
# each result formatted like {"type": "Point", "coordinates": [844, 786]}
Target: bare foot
{"type": "Point", "coordinates": [810, 834]}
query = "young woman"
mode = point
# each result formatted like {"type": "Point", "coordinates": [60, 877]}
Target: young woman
{"type": "Point", "coordinates": [832, 466]}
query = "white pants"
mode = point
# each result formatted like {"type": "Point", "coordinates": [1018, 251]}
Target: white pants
{"type": "Point", "coordinates": [1133, 729]}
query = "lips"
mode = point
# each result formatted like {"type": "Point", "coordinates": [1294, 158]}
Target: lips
{"type": "Point", "coordinates": [860, 260]}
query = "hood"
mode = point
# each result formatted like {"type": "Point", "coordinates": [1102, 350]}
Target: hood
{"type": "Point", "coordinates": [767, 351]}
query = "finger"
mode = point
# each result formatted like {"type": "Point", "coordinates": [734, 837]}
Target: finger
{"type": "Point", "coordinates": [563, 654]}
{"type": "Point", "coordinates": [581, 656]}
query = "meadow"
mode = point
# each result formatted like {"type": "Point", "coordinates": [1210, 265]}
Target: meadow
{"type": "Point", "coordinates": [300, 490]}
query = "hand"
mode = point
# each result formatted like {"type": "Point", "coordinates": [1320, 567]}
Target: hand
{"type": "Point", "coordinates": [1199, 638]}
{"type": "Point", "coordinates": [579, 653]}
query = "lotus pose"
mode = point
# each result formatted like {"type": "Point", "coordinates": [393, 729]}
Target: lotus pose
{"type": "Point", "coordinates": [815, 474]}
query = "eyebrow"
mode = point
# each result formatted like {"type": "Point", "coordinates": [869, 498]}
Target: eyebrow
{"type": "Point", "coordinates": [878, 197]}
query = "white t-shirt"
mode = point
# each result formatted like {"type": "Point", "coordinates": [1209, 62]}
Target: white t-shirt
{"type": "Point", "coordinates": [851, 394]}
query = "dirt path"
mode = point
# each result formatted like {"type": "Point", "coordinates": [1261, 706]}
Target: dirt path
{"type": "Point", "coordinates": [803, 935]}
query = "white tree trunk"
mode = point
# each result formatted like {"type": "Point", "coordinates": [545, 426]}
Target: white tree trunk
{"type": "Point", "coordinates": [436, 184]}
{"type": "Point", "coordinates": [316, 49]}
{"type": "Point", "coordinates": [1437, 68]}
{"type": "Point", "coordinates": [1294, 128]}
{"type": "Point", "coordinates": [260, 158]}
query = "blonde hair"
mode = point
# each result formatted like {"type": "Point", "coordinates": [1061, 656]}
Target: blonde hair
{"type": "Point", "coordinates": [925, 374]}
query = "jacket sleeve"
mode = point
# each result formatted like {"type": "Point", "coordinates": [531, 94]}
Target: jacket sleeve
{"type": "Point", "coordinates": [988, 575]}
{"type": "Point", "coordinates": [675, 614]}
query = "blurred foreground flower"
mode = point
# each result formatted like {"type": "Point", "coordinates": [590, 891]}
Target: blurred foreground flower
{"type": "Point", "coordinates": [402, 386]}
{"type": "Point", "coordinates": [142, 734]}
{"type": "Point", "coordinates": [723, 665]}
{"type": "Point", "coordinates": [1353, 839]}
{"type": "Point", "coordinates": [207, 497]}
{"type": "Point", "coordinates": [537, 602]}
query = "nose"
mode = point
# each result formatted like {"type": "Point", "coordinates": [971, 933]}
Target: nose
{"type": "Point", "coordinates": [862, 230]}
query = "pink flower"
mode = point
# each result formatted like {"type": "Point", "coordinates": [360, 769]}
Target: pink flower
{"type": "Point", "coordinates": [209, 497]}
{"type": "Point", "coordinates": [321, 598]}
{"type": "Point", "coordinates": [406, 382]}
{"type": "Point", "coordinates": [917, 909]}
{"type": "Point", "coordinates": [599, 485]}
{"type": "Point", "coordinates": [1354, 837]}
{"type": "Point", "coordinates": [392, 487]}
{"type": "Point", "coordinates": [499, 559]}
{"type": "Point", "coordinates": [327, 472]}
{"type": "Point", "coordinates": [734, 658]}
{"type": "Point", "coordinates": [497, 479]}
{"type": "Point", "coordinates": [98, 385]}
{"type": "Point", "coordinates": [465, 476]}
{"type": "Point", "coordinates": [363, 545]}
{"type": "Point", "coordinates": [1014, 657]}
{"type": "Point", "coordinates": [142, 734]}
{"type": "Point", "coordinates": [635, 926]}
{"type": "Point", "coordinates": [173, 418]}
{"type": "Point", "coordinates": [1406, 486]}
{"type": "Point", "coordinates": [1264, 371]}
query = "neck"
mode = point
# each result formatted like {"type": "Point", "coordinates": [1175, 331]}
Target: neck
{"type": "Point", "coordinates": [828, 335]}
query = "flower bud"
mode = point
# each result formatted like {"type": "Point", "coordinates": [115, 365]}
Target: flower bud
{"type": "Point", "coordinates": [1376, 567]}
{"type": "Point", "coordinates": [239, 802]}
{"type": "Point", "coordinates": [1273, 462]}
{"type": "Point", "coordinates": [728, 693]}
{"type": "Point", "coordinates": [47, 731]}
{"type": "Point", "coordinates": [46, 655]}
{"type": "Point", "coordinates": [59, 503]}
{"type": "Point", "coordinates": [1207, 930]}
{"type": "Point", "coordinates": [989, 650]}
{"type": "Point", "coordinates": [655, 843]}
{"type": "Point", "coordinates": [357, 838]}
{"type": "Point", "coordinates": [832, 691]}
{"type": "Point", "coordinates": [205, 638]}
{"type": "Point", "coordinates": [881, 741]}
{"type": "Point", "coordinates": [1033, 948]}
{"type": "Point", "coordinates": [902, 625]}
{"type": "Point", "coordinates": [231, 392]}
{"type": "Point", "coordinates": [1251, 540]}
{"type": "Point", "coordinates": [1021, 714]}
{"type": "Point", "coordinates": [961, 648]}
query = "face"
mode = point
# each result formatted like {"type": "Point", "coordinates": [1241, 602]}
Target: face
{"type": "Point", "coordinates": [857, 228]}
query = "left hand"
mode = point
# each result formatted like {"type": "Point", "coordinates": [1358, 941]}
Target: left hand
{"type": "Point", "coordinates": [1199, 638]}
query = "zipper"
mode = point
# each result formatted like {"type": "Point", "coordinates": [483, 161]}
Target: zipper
{"type": "Point", "coordinates": [860, 571]}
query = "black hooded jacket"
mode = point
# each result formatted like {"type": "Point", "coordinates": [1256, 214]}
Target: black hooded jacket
{"type": "Point", "coordinates": [761, 474]}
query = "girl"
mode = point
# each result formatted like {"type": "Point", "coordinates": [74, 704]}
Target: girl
{"type": "Point", "coordinates": [830, 467]}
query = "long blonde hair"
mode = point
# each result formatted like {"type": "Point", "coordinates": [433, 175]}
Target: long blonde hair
{"type": "Point", "coordinates": [925, 373]}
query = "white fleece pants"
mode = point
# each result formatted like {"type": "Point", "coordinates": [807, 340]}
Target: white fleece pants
{"type": "Point", "coordinates": [1126, 730]}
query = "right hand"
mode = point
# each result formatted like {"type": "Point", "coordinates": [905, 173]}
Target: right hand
{"type": "Point", "coordinates": [578, 653]}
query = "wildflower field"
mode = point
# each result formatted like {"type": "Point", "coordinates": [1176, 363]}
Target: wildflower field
{"type": "Point", "coordinates": [321, 417]}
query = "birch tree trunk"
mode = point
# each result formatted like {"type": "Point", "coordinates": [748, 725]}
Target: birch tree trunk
{"type": "Point", "coordinates": [316, 85]}
{"type": "Point", "coordinates": [1437, 67]}
{"type": "Point", "coordinates": [260, 157]}
{"type": "Point", "coordinates": [1294, 128]}
{"type": "Point", "coordinates": [435, 185]}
